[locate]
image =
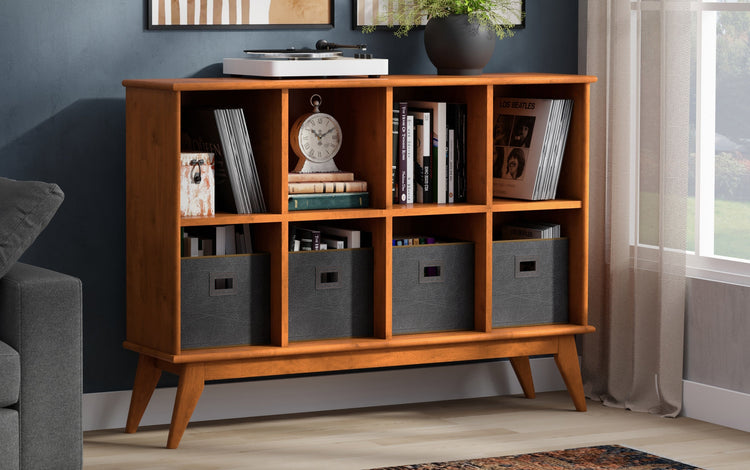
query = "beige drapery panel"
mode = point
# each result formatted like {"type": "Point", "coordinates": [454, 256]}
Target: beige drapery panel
{"type": "Point", "coordinates": [639, 163]}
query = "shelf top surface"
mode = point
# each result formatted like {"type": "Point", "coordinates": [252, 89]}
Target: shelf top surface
{"type": "Point", "coordinates": [242, 83]}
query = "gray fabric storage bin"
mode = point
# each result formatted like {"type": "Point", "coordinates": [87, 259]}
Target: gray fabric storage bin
{"type": "Point", "coordinates": [433, 287]}
{"type": "Point", "coordinates": [330, 294]}
{"type": "Point", "coordinates": [225, 300]}
{"type": "Point", "coordinates": [529, 282]}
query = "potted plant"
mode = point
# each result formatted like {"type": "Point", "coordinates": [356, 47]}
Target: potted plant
{"type": "Point", "coordinates": [460, 35]}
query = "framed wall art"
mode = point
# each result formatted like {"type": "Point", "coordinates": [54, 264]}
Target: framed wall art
{"type": "Point", "coordinates": [239, 14]}
{"type": "Point", "coordinates": [374, 12]}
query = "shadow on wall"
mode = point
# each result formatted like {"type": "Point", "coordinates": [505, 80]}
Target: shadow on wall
{"type": "Point", "coordinates": [82, 149]}
{"type": "Point", "coordinates": [211, 71]}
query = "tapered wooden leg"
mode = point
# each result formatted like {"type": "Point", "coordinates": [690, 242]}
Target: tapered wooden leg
{"type": "Point", "coordinates": [567, 362]}
{"type": "Point", "coordinates": [146, 377]}
{"type": "Point", "coordinates": [522, 368]}
{"type": "Point", "coordinates": [189, 391]}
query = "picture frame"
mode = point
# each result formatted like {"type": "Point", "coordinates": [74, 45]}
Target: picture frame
{"type": "Point", "coordinates": [239, 14]}
{"type": "Point", "coordinates": [365, 13]}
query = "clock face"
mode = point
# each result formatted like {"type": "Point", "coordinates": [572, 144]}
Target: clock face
{"type": "Point", "coordinates": [319, 137]}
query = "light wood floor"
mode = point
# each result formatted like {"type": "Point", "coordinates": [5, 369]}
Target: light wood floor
{"type": "Point", "coordinates": [398, 435]}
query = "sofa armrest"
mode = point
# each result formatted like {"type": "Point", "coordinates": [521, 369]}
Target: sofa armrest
{"type": "Point", "coordinates": [40, 317]}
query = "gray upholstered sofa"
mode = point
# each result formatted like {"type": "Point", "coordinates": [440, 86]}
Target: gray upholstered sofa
{"type": "Point", "coordinates": [40, 340]}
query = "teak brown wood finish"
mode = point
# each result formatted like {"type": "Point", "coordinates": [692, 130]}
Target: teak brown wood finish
{"type": "Point", "coordinates": [364, 109]}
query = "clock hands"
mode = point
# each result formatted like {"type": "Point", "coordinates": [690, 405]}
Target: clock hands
{"type": "Point", "coordinates": [327, 132]}
{"type": "Point", "coordinates": [320, 136]}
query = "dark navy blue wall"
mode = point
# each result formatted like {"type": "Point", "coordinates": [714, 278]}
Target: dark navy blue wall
{"type": "Point", "coordinates": [62, 119]}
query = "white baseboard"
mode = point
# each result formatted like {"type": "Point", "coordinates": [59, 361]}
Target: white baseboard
{"type": "Point", "coordinates": [109, 410]}
{"type": "Point", "coordinates": [716, 405]}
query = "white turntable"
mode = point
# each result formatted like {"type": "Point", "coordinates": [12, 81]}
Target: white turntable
{"type": "Point", "coordinates": [323, 61]}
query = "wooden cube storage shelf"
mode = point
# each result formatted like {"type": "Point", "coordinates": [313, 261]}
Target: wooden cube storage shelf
{"type": "Point", "coordinates": [363, 106]}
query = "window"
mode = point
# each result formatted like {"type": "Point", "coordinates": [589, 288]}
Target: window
{"type": "Point", "coordinates": [721, 202]}
{"type": "Point", "coordinates": [719, 175]}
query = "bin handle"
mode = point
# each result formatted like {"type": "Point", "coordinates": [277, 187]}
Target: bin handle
{"type": "Point", "coordinates": [222, 283]}
{"type": "Point", "coordinates": [327, 277]}
{"type": "Point", "coordinates": [527, 266]}
{"type": "Point", "coordinates": [431, 271]}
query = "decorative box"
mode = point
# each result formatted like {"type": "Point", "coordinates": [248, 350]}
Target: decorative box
{"type": "Point", "coordinates": [197, 187]}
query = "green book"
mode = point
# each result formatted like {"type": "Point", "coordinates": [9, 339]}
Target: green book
{"type": "Point", "coordinates": [301, 202]}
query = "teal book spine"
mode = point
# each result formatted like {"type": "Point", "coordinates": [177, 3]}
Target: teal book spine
{"type": "Point", "coordinates": [301, 202]}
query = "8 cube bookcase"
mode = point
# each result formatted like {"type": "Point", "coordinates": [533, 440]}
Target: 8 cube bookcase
{"type": "Point", "coordinates": [363, 107]}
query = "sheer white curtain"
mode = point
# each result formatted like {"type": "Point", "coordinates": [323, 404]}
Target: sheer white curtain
{"type": "Point", "coordinates": [640, 51]}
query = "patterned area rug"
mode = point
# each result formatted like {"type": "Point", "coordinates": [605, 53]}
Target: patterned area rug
{"type": "Point", "coordinates": [584, 458]}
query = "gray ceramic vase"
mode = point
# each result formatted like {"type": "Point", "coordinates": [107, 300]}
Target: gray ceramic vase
{"type": "Point", "coordinates": [457, 47]}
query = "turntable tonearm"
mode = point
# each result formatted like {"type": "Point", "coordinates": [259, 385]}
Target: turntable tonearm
{"type": "Point", "coordinates": [326, 60]}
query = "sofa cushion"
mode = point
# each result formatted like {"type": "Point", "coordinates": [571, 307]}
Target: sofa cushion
{"type": "Point", "coordinates": [26, 207]}
{"type": "Point", "coordinates": [10, 371]}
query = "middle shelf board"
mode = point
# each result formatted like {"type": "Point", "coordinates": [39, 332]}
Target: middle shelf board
{"type": "Point", "coordinates": [401, 210]}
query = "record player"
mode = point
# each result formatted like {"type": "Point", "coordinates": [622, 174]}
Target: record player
{"type": "Point", "coordinates": [326, 60]}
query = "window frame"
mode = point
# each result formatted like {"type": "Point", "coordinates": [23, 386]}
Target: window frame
{"type": "Point", "coordinates": [703, 263]}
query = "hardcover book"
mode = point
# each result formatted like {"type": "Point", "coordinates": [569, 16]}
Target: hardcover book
{"type": "Point", "coordinates": [327, 187]}
{"type": "Point", "coordinates": [309, 238]}
{"type": "Point", "coordinates": [299, 202]}
{"type": "Point", "coordinates": [440, 146]}
{"type": "Point", "coordinates": [422, 156]}
{"type": "Point", "coordinates": [402, 152]}
{"type": "Point", "coordinates": [456, 121]}
{"type": "Point", "coordinates": [318, 177]}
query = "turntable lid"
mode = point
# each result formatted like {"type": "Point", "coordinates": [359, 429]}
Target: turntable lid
{"type": "Point", "coordinates": [292, 54]}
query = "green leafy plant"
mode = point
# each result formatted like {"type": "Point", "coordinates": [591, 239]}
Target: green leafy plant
{"type": "Point", "coordinates": [404, 15]}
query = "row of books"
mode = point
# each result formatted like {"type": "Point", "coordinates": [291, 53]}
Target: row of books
{"type": "Point", "coordinates": [225, 240]}
{"type": "Point", "coordinates": [429, 152]}
{"type": "Point", "coordinates": [512, 231]}
{"type": "Point", "coordinates": [524, 229]}
{"type": "Point", "coordinates": [409, 240]}
{"type": "Point", "coordinates": [324, 237]}
{"type": "Point", "coordinates": [218, 240]}
{"type": "Point", "coordinates": [529, 143]}
{"type": "Point", "coordinates": [224, 132]}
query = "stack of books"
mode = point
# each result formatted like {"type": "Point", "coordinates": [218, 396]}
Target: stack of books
{"type": "Point", "coordinates": [334, 190]}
